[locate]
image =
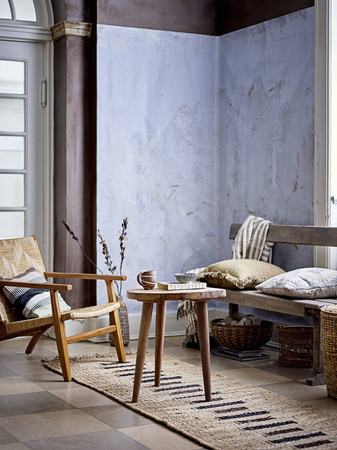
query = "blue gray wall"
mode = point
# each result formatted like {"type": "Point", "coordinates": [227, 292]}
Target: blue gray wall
{"type": "Point", "coordinates": [156, 149]}
{"type": "Point", "coordinates": [196, 132]}
{"type": "Point", "coordinates": [266, 128]}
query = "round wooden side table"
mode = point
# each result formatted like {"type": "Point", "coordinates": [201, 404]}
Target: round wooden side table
{"type": "Point", "coordinates": [160, 297]}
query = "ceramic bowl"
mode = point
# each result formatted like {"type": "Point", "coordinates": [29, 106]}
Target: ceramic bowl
{"type": "Point", "coordinates": [185, 277]}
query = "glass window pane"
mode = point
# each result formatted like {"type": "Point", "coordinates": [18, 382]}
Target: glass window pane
{"type": "Point", "coordinates": [5, 11]}
{"type": "Point", "coordinates": [12, 114]}
{"type": "Point", "coordinates": [12, 152]}
{"type": "Point", "coordinates": [12, 190]}
{"type": "Point", "coordinates": [12, 224]}
{"type": "Point", "coordinates": [25, 10]}
{"type": "Point", "coordinates": [12, 77]}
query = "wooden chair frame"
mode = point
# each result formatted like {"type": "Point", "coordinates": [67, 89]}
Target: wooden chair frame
{"type": "Point", "coordinates": [25, 250]}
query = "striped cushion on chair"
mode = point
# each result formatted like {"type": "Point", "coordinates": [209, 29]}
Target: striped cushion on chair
{"type": "Point", "coordinates": [31, 302]}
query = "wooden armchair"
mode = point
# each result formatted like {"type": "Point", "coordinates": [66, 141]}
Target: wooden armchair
{"type": "Point", "coordinates": [21, 254]}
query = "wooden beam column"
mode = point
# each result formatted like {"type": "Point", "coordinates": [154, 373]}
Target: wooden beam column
{"type": "Point", "coordinates": [75, 143]}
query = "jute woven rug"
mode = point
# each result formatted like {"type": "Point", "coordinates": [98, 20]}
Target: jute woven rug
{"type": "Point", "coordinates": [239, 416]}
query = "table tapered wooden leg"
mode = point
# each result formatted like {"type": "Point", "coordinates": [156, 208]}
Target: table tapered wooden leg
{"type": "Point", "coordinates": [159, 342]}
{"type": "Point", "coordinates": [142, 346]}
{"type": "Point", "coordinates": [203, 330]}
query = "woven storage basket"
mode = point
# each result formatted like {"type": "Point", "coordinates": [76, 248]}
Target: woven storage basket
{"type": "Point", "coordinates": [296, 344]}
{"type": "Point", "coordinates": [329, 347]}
{"type": "Point", "coordinates": [245, 337]}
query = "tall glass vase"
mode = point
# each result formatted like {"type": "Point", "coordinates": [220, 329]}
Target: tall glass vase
{"type": "Point", "coordinates": [124, 320]}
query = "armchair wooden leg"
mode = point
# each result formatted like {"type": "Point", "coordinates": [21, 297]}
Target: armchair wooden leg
{"type": "Point", "coordinates": [61, 338]}
{"type": "Point", "coordinates": [62, 347]}
{"type": "Point", "coordinates": [114, 320]}
{"type": "Point", "coordinates": [35, 339]}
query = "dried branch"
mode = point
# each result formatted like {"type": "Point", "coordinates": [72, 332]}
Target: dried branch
{"type": "Point", "coordinates": [122, 236]}
{"type": "Point", "coordinates": [108, 261]}
{"type": "Point", "coordinates": [72, 234]}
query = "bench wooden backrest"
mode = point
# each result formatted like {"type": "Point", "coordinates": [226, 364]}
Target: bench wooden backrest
{"type": "Point", "coordinates": [296, 234]}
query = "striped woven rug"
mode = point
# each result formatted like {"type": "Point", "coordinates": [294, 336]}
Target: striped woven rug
{"type": "Point", "coordinates": [239, 416]}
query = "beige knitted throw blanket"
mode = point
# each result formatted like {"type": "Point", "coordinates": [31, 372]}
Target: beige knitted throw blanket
{"type": "Point", "coordinates": [250, 241]}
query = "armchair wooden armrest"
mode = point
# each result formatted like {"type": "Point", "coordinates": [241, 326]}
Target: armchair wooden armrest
{"type": "Point", "coordinates": [50, 286]}
{"type": "Point", "coordinates": [14, 260]}
{"type": "Point", "coordinates": [86, 276]}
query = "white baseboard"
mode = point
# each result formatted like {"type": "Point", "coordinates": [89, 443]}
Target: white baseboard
{"type": "Point", "coordinates": [173, 327]}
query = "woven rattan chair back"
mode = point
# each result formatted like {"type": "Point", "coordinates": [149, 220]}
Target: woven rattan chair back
{"type": "Point", "coordinates": [17, 256]}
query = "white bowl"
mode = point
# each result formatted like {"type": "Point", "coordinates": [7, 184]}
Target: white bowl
{"type": "Point", "coordinates": [185, 277]}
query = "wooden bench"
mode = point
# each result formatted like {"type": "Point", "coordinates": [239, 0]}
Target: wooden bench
{"type": "Point", "coordinates": [297, 235]}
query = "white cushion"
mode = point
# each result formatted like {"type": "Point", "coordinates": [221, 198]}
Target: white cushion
{"type": "Point", "coordinates": [311, 283]}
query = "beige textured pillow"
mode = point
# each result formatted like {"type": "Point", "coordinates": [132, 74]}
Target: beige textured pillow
{"type": "Point", "coordinates": [238, 273]}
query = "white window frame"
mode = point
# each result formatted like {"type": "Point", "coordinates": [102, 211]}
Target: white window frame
{"type": "Point", "coordinates": [30, 32]}
{"type": "Point", "coordinates": [322, 205]}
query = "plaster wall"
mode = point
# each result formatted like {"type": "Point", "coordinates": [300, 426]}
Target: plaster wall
{"type": "Point", "coordinates": [266, 132]}
{"type": "Point", "coordinates": [266, 128]}
{"type": "Point", "coordinates": [156, 150]}
{"type": "Point", "coordinates": [196, 132]}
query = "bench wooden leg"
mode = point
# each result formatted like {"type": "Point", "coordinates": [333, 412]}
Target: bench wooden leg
{"type": "Point", "coordinates": [318, 376]}
{"type": "Point", "coordinates": [233, 308]}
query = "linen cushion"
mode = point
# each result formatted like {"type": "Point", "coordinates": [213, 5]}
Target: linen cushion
{"type": "Point", "coordinates": [29, 302]}
{"type": "Point", "coordinates": [238, 273]}
{"type": "Point", "coordinates": [311, 282]}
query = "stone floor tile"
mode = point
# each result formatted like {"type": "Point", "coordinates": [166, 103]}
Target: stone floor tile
{"type": "Point", "coordinates": [294, 373]}
{"type": "Point", "coordinates": [103, 440]}
{"type": "Point", "coordinates": [50, 381]}
{"type": "Point", "coordinates": [5, 372]}
{"type": "Point", "coordinates": [17, 385]}
{"type": "Point", "coordinates": [14, 446]}
{"type": "Point", "coordinates": [218, 364]}
{"type": "Point", "coordinates": [181, 352]}
{"type": "Point", "coordinates": [254, 376]}
{"type": "Point", "coordinates": [176, 340]}
{"type": "Point", "coordinates": [117, 416]}
{"type": "Point", "coordinates": [81, 396]}
{"type": "Point", "coordinates": [31, 403]}
{"type": "Point", "coordinates": [26, 366]}
{"type": "Point", "coordinates": [158, 437]}
{"type": "Point", "coordinates": [86, 348]}
{"type": "Point", "coordinates": [5, 437]}
{"type": "Point", "coordinates": [326, 404]}
{"type": "Point", "coordinates": [34, 427]}
{"type": "Point", "coordinates": [298, 391]}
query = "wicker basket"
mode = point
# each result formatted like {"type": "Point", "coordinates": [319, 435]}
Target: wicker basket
{"type": "Point", "coordinates": [296, 344]}
{"type": "Point", "coordinates": [245, 337]}
{"type": "Point", "coordinates": [329, 347]}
